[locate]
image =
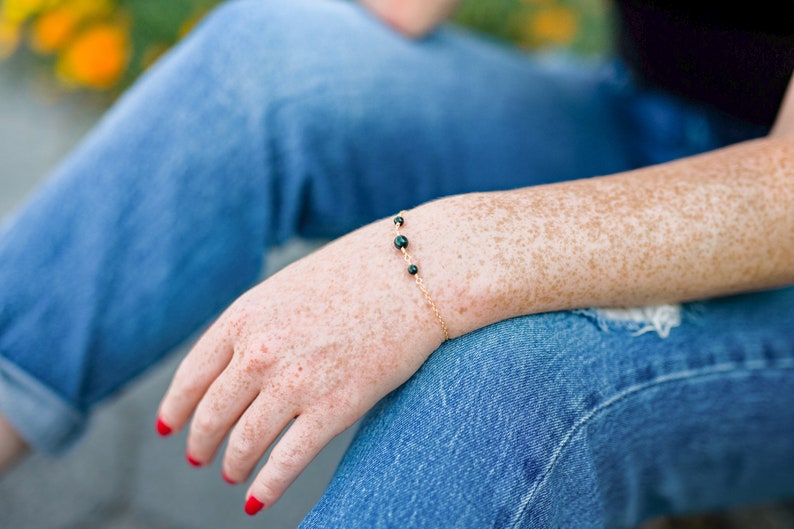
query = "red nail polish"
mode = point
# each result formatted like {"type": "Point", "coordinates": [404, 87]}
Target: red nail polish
{"type": "Point", "coordinates": [253, 506]}
{"type": "Point", "coordinates": [193, 462]}
{"type": "Point", "coordinates": [227, 479]}
{"type": "Point", "coordinates": [162, 428]}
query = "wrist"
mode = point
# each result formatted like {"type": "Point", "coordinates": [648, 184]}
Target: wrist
{"type": "Point", "coordinates": [455, 250]}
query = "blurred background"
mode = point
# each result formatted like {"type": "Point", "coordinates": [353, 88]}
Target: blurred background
{"type": "Point", "coordinates": [62, 62]}
{"type": "Point", "coordinates": [103, 45]}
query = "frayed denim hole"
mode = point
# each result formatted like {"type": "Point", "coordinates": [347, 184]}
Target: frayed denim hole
{"type": "Point", "coordinates": [660, 319]}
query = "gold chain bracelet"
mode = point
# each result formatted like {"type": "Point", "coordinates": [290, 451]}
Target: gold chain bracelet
{"type": "Point", "coordinates": [401, 243]}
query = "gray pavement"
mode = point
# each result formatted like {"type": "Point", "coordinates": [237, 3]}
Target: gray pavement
{"type": "Point", "coordinates": [122, 475]}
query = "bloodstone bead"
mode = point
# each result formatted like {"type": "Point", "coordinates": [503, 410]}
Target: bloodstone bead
{"type": "Point", "coordinates": [401, 241]}
{"type": "Point", "coordinates": [399, 221]}
{"type": "Point", "coordinates": [413, 270]}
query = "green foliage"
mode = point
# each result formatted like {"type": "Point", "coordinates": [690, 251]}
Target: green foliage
{"type": "Point", "coordinates": [104, 45]}
{"type": "Point", "coordinates": [581, 26]}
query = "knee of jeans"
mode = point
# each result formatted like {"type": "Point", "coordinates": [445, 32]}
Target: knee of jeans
{"type": "Point", "coordinates": [510, 395]}
{"type": "Point", "coordinates": [277, 46]}
{"type": "Point", "coordinates": [531, 385]}
{"type": "Point", "coordinates": [541, 377]}
{"type": "Point", "coordinates": [530, 373]}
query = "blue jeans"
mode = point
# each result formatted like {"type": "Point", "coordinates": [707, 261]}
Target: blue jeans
{"type": "Point", "coordinates": [562, 421]}
{"type": "Point", "coordinates": [280, 119]}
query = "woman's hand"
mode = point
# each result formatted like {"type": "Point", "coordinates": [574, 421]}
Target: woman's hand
{"type": "Point", "coordinates": [413, 18]}
{"type": "Point", "coordinates": [320, 342]}
{"type": "Point", "coordinates": [323, 340]}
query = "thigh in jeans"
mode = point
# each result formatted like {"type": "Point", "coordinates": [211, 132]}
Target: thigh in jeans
{"type": "Point", "coordinates": [273, 119]}
{"type": "Point", "coordinates": [581, 419]}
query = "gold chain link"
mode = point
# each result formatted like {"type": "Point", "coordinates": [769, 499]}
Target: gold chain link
{"type": "Point", "coordinates": [398, 222]}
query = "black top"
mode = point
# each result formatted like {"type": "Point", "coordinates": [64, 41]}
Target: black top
{"type": "Point", "coordinates": [735, 56]}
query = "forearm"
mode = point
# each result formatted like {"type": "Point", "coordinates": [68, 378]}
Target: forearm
{"type": "Point", "coordinates": [714, 224]}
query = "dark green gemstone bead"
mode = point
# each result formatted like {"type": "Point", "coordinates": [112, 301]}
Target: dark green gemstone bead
{"type": "Point", "coordinates": [413, 270]}
{"type": "Point", "coordinates": [401, 241]}
{"type": "Point", "coordinates": [399, 221]}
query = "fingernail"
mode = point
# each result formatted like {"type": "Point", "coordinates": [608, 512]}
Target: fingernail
{"type": "Point", "coordinates": [162, 428]}
{"type": "Point", "coordinates": [253, 506]}
{"type": "Point", "coordinates": [193, 462]}
{"type": "Point", "coordinates": [227, 479]}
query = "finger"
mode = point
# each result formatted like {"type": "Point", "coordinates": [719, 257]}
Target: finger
{"type": "Point", "coordinates": [291, 455]}
{"type": "Point", "coordinates": [196, 372]}
{"type": "Point", "coordinates": [252, 436]}
{"type": "Point", "coordinates": [221, 406]}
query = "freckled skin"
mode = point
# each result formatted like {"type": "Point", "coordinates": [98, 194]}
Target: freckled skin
{"type": "Point", "coordinates": [315, 348]}
{"type": "Point", "coordinates": [714, 224]}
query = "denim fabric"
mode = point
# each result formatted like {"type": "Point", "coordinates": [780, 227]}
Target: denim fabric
{"type": "Point", "coordinates": [278, 119]}
{"type": "Point", "coordinates": [551, 420]}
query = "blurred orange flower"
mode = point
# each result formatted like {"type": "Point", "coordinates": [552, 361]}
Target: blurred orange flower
{"type": "Point", "coordinates": [52, 29]}
{"type": "Point", "coordinates": [97, 57]}
{"type": "Point", "coordinates": [556, 25]}
{"type": "Point", "coordinates": [106, 44]}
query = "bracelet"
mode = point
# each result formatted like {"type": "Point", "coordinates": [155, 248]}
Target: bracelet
{"type": "Point", "coordinates": [401, 243]}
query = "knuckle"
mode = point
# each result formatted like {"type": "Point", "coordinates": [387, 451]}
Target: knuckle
{"type": "Point", "coordinates": [284, 464]}
{"type": "Point", "coordinates": [253, 357]}
{"type": "Point", "coordinates": [183, 380]}
{"type": "Point", "coordinates": [258, 362]}
{"type": "Point", "coordinates": [267, 490]}
{"type": "Point", "coordinates": [239, 452]}
{"type": "Point", "coordinates": [204, 424]}
{"type": "Point", "coordinates": [233, 323]}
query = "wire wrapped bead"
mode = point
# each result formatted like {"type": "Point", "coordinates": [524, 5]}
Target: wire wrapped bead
{"type": "Point", "coordinates": [401, 242]}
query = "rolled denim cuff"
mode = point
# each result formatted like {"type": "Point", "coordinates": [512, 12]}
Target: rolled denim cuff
{"type": "Point", "coordinates": [46, 422]}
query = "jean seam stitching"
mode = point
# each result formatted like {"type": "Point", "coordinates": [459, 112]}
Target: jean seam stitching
{"type": "Point", "coordinates": [719, 369]}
